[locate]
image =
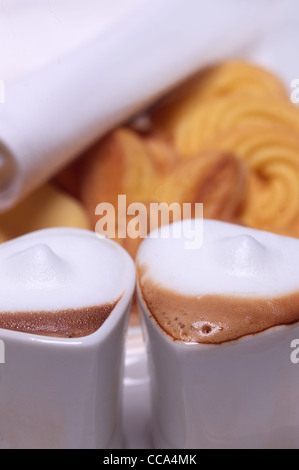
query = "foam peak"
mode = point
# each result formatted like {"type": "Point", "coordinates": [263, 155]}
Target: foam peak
{"type": "Point", "coordinates": [62, 268]}
{"type": "Point", "coordinates": [231, 260]}
{"type": "Point", "coordinates": [36, 266]}
{"type": "Point", "coordinates": [242, 255]}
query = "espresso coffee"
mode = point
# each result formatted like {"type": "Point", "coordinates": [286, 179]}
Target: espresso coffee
{"type": "Point", "coordinates": [62, 283]}
{"type": "Point", "coordinates": [63, 324]}
{"type": "Point", "coordinates": [239, 282]}
{"type": "Point", "coordinates": [213, 319]}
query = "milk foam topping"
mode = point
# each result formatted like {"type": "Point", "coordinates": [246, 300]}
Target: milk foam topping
{"type": "Point", "coordinates": [232, 260]}
{"type": "Point", "coordinates": [56, 269]}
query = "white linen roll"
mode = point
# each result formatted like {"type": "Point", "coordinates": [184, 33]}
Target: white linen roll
{"type": "Point", "coordinates": [80, 84]}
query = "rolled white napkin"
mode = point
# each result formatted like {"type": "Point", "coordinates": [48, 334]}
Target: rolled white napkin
{"type": "Point", "coordinates": [82, 81]}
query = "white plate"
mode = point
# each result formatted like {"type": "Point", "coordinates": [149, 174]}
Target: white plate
{"type": "Point", "coordinates": [136, 404]}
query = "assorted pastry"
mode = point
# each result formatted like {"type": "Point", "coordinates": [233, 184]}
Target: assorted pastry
{"type": "Point", "coordinates": [227, 138]}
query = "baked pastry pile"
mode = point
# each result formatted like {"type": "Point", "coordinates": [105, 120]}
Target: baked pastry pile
{"type": "Point", "coordinates": [228, 138]}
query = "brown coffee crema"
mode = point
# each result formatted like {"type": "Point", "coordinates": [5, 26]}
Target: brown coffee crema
{"type": "Point", "coordinates": [215, 319]}
{"type": "Point", "coordinates": [70, 323]}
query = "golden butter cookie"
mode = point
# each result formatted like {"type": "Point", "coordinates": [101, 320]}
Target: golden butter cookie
{"type": "Point", "coordinates": [229, 78]}
{"type": "Point", "coordinates": [192, 132]}
{"type": "Point", "coordinates": [148, 171]}
{"type": "Point", "coordinates": [238, 76]}
{"type": "Point", "coordinates": [271, 154]}
{"type": "Point", "coordinates": [122, 164]}
{"type": "Point", "coordinates": [45, 208]}
{"type": "Point", "coordinates": [216, 179]}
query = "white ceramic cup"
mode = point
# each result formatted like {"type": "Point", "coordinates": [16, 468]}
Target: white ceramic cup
{"type": "Point", "coordinates": [66, 392]}
{"type": "Point", "coordinates": [238, 394]}
{"type": "Point", "coordinates": [241, 394]}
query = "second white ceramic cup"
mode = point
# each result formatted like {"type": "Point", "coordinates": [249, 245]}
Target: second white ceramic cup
{"type": "Point", "coordinates": [236, 393]}
{"type": "Point", "coordinates": [241, 394]}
